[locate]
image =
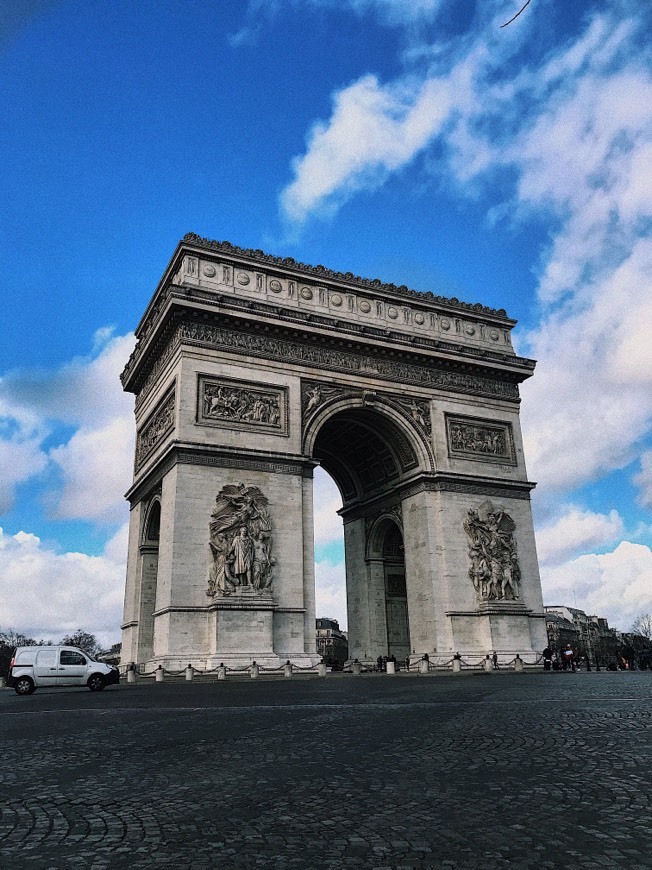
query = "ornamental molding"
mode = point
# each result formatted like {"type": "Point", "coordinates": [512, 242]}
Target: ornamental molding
{"type": "Point", "coordinates": [366, 362]}
{"type": "Point", "coordinates": [437, 482]}
{"type": "Point", "coordinates": [321, 272]}
{"type": "Point", "coordinates": [238, 460]}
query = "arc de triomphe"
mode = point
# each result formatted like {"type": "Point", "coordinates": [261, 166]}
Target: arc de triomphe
{"type": "Point", "coordinates": [248, 372]}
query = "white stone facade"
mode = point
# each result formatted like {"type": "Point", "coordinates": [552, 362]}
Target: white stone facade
{"type": "Point", "coordinates": [249, 371]}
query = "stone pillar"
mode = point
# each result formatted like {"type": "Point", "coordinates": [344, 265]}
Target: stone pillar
{"type": "Point", "coordinates": [357, 590]}
{"type": "Point", "coordinates": [488, 665]}
{"type": "Point", "coordinates": [422, 565]}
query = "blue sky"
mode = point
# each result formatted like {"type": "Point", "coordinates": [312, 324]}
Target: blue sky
{"type": "Point", "coordinates": [413, 140]}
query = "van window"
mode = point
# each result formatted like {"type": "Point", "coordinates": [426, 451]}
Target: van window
{"type": "Point", "coordinates": [68, 657]}
{"type": "Point", "coordinates": [46, 657]}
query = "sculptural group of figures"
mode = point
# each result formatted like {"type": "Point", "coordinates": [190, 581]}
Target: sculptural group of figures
{"type": "Point", "coordinates": [477, 439]}
{"type": "Point", "coordinates": [494, 570]}
{"type": "Point", "coordinates": [227, 403]}
{"type": "Point", "coordinates": [240, 542]}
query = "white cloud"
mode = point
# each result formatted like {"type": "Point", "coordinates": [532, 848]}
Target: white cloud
{"type": "Point", "coordinates": [46, 594]}
{"type": "Point", "coordinates": [96, 460]}
{"type": "Point", "coordinates": [330, 591]}
{"type": "Point", "coordinates": [374, 130]}
{"type": "Point", "coordinates": [327, 501]}
{"type": "Point", "coordinates": [97, 470]}
{"type": "Point", "coordinates": [616, 585]}
{"type": "Point", "coordinates": [577, 530]}
{"type": "Point", "coordinates": [20, 459]}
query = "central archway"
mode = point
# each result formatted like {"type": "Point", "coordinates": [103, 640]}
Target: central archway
{"type": "Point", "coordinates": [372, 455]}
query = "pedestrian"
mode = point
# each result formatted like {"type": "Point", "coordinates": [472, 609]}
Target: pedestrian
{"type": "Point", "coordinates": [494, 659]}
{"type": "Point", "coordinates": [547, 658]}
{"type": "Point", "coordinates": [568, 658]}
{"type": "Point", "coordinates": [407, 662]}
{"type": "Point", "coordinates": [379, 663]}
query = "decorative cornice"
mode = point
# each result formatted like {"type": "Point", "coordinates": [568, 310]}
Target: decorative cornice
{"type": "Point", "coordinates": [366, 361]}
{"type": "Point", "coordinates": [192, 454]}
{"type": "Point", "coordinates": [346, 277]}
{"type": "Point", "coordinates": [441, 482]}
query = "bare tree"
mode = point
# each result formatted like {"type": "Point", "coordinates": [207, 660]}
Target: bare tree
{"type": "Point", "coordinates": [643, 625]}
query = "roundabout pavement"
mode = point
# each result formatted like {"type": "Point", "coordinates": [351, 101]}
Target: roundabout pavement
{"type": "Point", "coordinates": [472, 771]}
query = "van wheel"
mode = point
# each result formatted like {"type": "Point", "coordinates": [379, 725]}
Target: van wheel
{"type": "Point", "coordinates": [96, 682]}
{"type": "Point", "coordinates": [24, 686]}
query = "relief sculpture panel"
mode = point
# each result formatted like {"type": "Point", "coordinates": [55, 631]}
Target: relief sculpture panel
{"type": "Point", "coordinates": [241, 560]}
{"type": "Point", "coordinates": [158, 425]}
{"type": "Point", "coordinates": [480, 440]}
{"type": "Point", "coordinates": [238, 404]}
{"type": "Point", "coordinates": [494, 570]}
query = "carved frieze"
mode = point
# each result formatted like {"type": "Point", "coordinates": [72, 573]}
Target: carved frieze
{"type": "Point", "coordinates": [158, 425]}
{"type": "Point", "coordinates": [239, 404]}
{"type": "Point", "coordinates": [240, 542]}
{"type": "Point", "coordinates": [480, 440]}
{"type": "Point", "coordinates": [494, 570]}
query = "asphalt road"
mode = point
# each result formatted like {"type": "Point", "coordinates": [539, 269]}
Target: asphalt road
{"type": "Point", "coordinates": [489, 771]}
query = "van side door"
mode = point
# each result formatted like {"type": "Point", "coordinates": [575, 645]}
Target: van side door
{"type": "Point", "coordinates": [46, 668]}
{"type": "Point", "coordinates": [72, 668]}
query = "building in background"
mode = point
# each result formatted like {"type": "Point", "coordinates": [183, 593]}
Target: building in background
{"type": "Point", "coordinates": [332, 644]}
{"type": "Point", "coordinates": [590, 636]}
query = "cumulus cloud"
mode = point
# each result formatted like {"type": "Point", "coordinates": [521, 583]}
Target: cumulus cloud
{"type": "Point", "coordinates": [94, 460]}
{"type": "Point", "coordinates": [576, 531]}
{"type": "Point", "coordinates": [47, 594]}
{"type": "Point", "coordinates": [327, 501]}
{"type": "Point", "coordinates": [571, 126]}
{"type": "Point", "coordinates": [96, 464]}
{"type": "Point", "coordinates": [330, 591]}
{"type": "Point", "coordinates": [615, 585]}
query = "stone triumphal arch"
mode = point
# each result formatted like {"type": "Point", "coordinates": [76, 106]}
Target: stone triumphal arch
{"type": "Point", "coordinates": [248, 372]}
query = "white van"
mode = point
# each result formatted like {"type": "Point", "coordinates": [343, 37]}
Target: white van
{"type": "Point", "coordinates": [35, 666]}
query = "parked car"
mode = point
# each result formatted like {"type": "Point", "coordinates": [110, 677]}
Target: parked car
{"type": "Point", "coordinates": [36, 666]}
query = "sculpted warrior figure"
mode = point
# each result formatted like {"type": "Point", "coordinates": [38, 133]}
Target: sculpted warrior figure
{"type": "Point", "coordinates": [240, 542]}
{"type": "Point", "coordinates": [494, 570]}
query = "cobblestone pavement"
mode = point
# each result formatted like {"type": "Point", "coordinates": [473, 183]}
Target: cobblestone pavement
{"type": "Point", "coordinates": [406, 772]}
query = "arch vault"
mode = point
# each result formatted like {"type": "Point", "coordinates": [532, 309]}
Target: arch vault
{"type": "Point", "coordinates": [249, 371]}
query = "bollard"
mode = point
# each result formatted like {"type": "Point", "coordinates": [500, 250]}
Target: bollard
{"type": "Point", "coordinates": [254, 671]}
{"type": "Point", "coordinates": [488, 665]}
{"type": "Point", "coordinates": [158, 676]}
{"type": "Point", "coordinates": [390, 668]}
{"type": "Point", "coordinates": [131, 674]}
{"type": "Point", "coordinates": [457, 663]}
{"type": "Point", "coordinates": [221, 671]}
{"type": "Point", "coordinates": [356, 667]}
{"type": "Point", "coordinates": [190, 671]}
{"type": "Point", "coordinates": [321, 669]}
{"type": "Point", "coordinates": [287, 669]}
{"type": "Point", "coordinates": [423, 666]}
{"type": "Point", "coordinates": [518, 664]}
